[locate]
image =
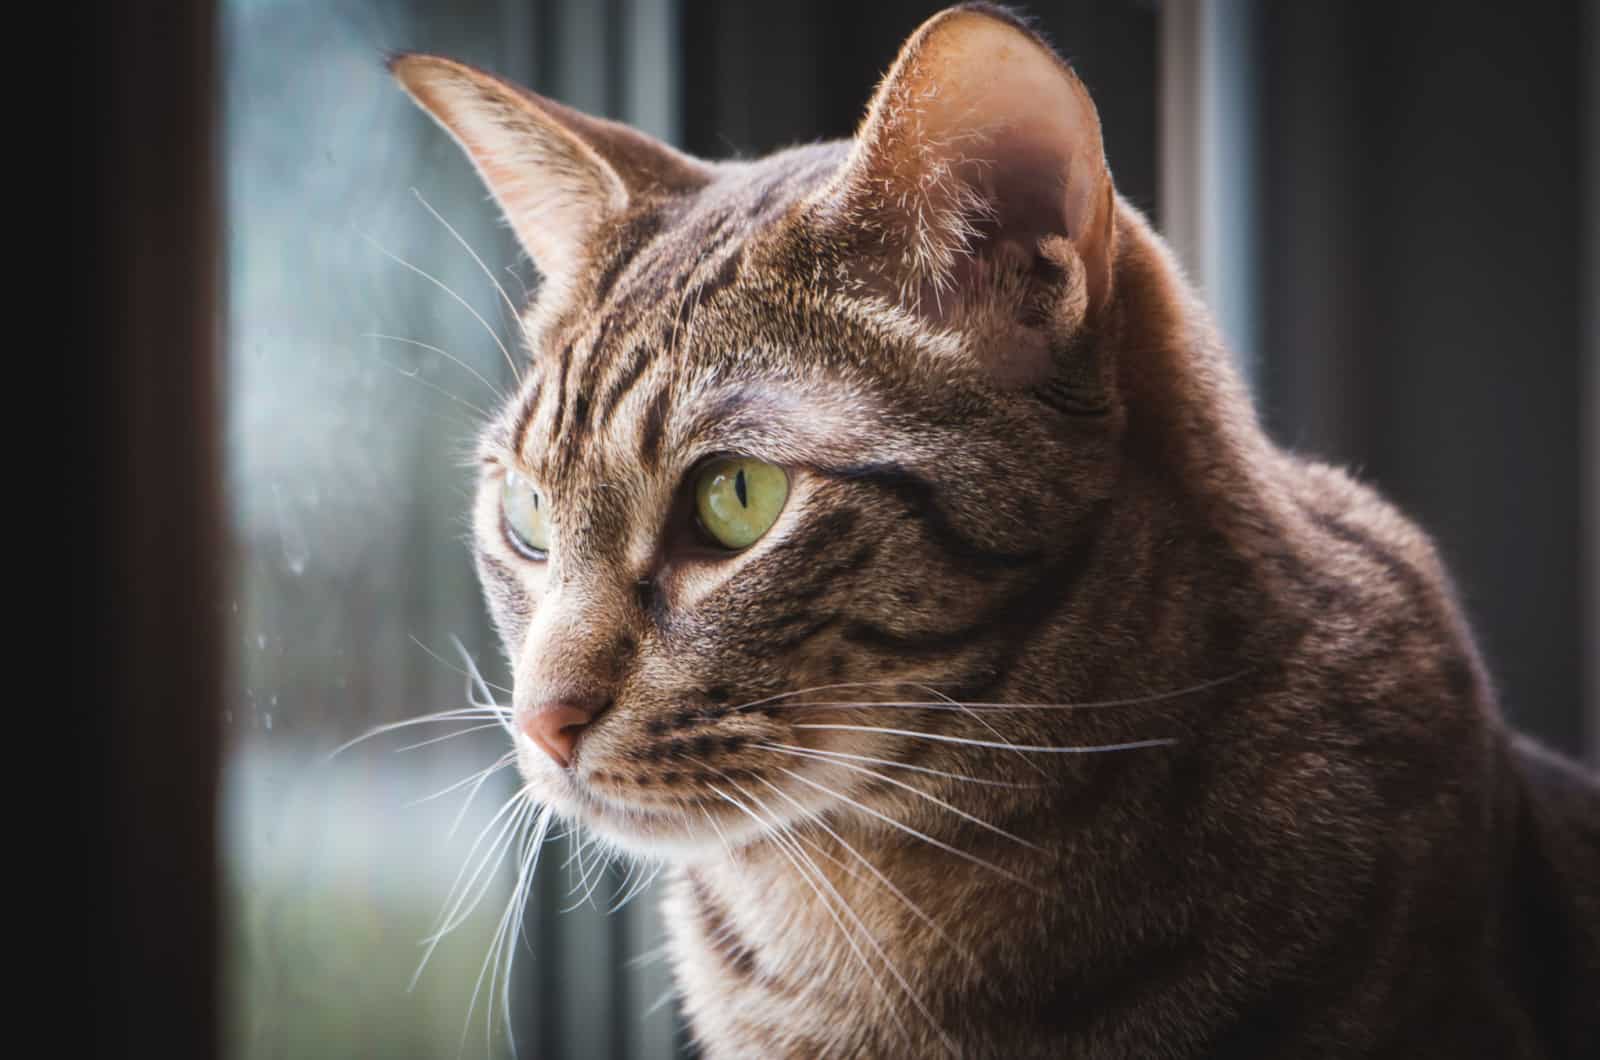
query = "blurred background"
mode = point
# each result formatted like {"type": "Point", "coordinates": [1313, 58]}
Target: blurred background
{"type": "Point", "coordinates": [1392, 208]}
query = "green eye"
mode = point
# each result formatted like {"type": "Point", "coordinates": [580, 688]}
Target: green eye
{"type": "Point", "coordinates": [738, 499]}
{"type": "Point", "coordinates": [523, 510]}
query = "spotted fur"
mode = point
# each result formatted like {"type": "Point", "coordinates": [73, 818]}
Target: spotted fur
{"type": "Point", "coordinates": [1031, 509]}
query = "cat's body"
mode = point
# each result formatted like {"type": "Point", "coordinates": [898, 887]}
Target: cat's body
{"type": "Point", "coordinates": [1023, 478]}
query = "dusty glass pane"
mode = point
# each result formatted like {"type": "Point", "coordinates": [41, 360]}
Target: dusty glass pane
{"type": "Point", "coordinates": [347, 478]}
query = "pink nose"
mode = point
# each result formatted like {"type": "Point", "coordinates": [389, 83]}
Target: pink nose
{"type": "Point", "coordinates": [555, 727]}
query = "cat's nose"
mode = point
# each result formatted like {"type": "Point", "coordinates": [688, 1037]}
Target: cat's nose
{"type": "Point", "coordinates": [556, 726]}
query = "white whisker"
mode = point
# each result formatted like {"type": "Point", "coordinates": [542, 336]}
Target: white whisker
{"type": "Point", "coordinates": [502, 939]}
{"type": "Point", "coordinates": [996, 733]}
{"type": "Point", "coordinates": [844, 906]}
{"type": "Point", "coordinates": [448, 736]}
{"type": "Point", "coordinates": [909, 766]}
{"type": "Point", "coordinates": [651, 956]}
{"type": "Point", "coordinates": [643, 884]}
{"type": "Point", "coordinates": [1030, 748]}
{"type": "Point", "coordinates": [447, 355]}
{"type": "Point", "coordinates": [483, 778]}
{"type": "Point", "coordinates": [480, 776]}
{"type": "Point", "coordinates": [472, 672]}
{"type": "Point", "coordinates": [816, 818]}
{"type": "Point", "coordinates": [944, 702]}
{"type": "Point", "coordinates": [781, 844]}
{"type": "Point", "coordinates": [461, 887]}
{"type": "Point", "coordinates": [415, 375]}
{"type": "Point", "coordinates": [439, 718]}
{"type": "Point", "coordinates": [533, 843]}
{"type": "Point", "coordinates": [826, 688]}
{"type": "Point", "coordinates": [661, 1002]}
{"type": "Point", "coordinates": [601, 863]}
{"type": "Point", "coordinates": [446, 289]}
{"type": "Point", "coordinates": [902, 826]}
{"type": "Point", "coordinates": [963, 814]}
{"type": "Point", "coordinates": [506, 298]}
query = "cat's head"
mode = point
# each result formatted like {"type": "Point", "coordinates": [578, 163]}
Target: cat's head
{"type": "Point", "coordinates": [797, 434]}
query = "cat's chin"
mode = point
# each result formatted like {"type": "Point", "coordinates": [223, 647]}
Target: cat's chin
{"type": "Point", "coordinates": [661, 833]}
{"type": "Point", "coordinates": [655, 835]}
{"type": "Point", "coordinates": [674, 846]}
{"type": "Point", "coordinates": [639, 831]}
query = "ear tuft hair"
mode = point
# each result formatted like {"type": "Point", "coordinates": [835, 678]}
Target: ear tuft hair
{"type": "Point", "coordinates": [557, 174]}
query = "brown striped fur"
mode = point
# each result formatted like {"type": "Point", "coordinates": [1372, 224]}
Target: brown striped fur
{"type": "Point", "coordinates": [1024, 471]}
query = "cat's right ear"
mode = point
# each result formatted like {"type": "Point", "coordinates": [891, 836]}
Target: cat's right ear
{"type": "Point", "coordinates": [557, 174]}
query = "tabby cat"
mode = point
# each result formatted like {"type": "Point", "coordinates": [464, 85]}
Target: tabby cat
{"type": "Point", "coordinates": [881, 536]}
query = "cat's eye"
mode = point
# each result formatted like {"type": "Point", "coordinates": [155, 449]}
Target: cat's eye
{"type": "Point", "coordinates": [524, 513]}
{"type": "Point", "coordinates": [737, 499]}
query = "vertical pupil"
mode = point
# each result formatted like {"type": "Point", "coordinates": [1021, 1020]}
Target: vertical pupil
{"type": "Point", "coordinates": [741, 489]}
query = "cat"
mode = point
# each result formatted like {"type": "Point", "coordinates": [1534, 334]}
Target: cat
{"type": "Point", "coordinates": [882, 537]}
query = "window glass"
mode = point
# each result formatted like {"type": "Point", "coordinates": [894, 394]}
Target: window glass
{"type": "Point", "coordinates": [364, 344]}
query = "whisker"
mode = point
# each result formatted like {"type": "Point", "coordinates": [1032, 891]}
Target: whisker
{"type": "Point", "coordinates": [769, 829]}
{"type": "Point", "coordinates": [816, 818]}
{"type": "Point", "coordinates": [504, 297]}
{"type": "Point", "coordinates": [651, 956]}
{"type": "Point", "coordinates": [672, 339]}
{"type": "Point", "coordinates": [438, 718]}
{"type": "Point", "coordinates": [910, 766]}
{"type": "Point", "coordinates": [416, 376]}
{"type": "Point", "coordinates": [627, 879]}
{"type": "Point", "coordinates": [996, 733]}
{"type": "Point", "coordinates": [712, 821]}
{"type": "Point", "coordinates": [514, 907]}
{"type": "Point", "coordinates": [902, 826]}
{"type": "Point", "coordinates": [601, 863]}
{"type": "Point", "coordinates": [963, 814]}
{"type": "Point", "coordinates": [459, 893]}
{"type": "Point", "coordinates": [534, 843]}
{"type": "Point", "coordinates": [511, 271]}
{"type": "Point", "coordinates": [793, 693]}
{"type": "Point", "coordinates": [643, 884]}
{"type": "Point", "coordinates": [446, 354]}
{"type": "Point", "coordinates": [480, 776]}
{"type": "Point", "coordinates": [470, 672]}
{"type": "Point", "coordinates": [446, 289]}
{"type": "Point", "coordinates": [661, 1002]}
{"type": "Point", "coordinates": [466, 897]}
{"type": "Point", "coordinates": [946, 703]}
{"type": "Point", "coordinates": [845, 907]}
{"type": "Point", "coordinates": [967, 741]}
{"type": "Point", "coordinates": [483, 778]}
{"type": "Point", "coordinates": [448, 736]}
{"type": "Point", "coordinates": [576, 853]}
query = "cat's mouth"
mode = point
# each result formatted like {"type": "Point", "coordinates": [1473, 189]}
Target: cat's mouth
{"type": "Point", "coordinates": [681, 828]}
{"type": "Point", "coordinates": [684, 814]}
{"type": "Point", "coordinates": [607, 800]}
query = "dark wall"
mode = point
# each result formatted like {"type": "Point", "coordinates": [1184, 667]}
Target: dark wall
{"type": "Point", "coordinates": [1422, 233]}
{"type": "Point", "coordinates": [760, 76]}
{"type": "Point", "coordinates": [142, 536]}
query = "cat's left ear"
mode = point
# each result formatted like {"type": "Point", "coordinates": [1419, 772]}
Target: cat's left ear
{"type": "Point", "coordinates": [979, 142]}
{"type": "Point", "coordinates": [558, 175]}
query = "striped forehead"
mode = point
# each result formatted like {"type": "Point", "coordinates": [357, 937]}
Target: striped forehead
{"type": "Point", "coordinates": [611, 378]}
{"type": "Point", "coordinates": [608, 379]}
